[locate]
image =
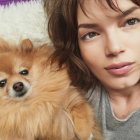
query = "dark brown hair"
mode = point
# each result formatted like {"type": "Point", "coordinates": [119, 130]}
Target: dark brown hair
{"type": "Point", "coordinates": [62, 29]}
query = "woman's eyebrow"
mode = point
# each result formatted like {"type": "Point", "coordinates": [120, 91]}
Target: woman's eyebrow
{"type": "Point", "coordinates": [127, 12]}
{"type": "Point", "coordinates": [87, 25]}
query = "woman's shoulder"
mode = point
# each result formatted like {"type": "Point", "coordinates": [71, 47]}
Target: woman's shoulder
{"type": "Point", "coordinates": [97, 97]}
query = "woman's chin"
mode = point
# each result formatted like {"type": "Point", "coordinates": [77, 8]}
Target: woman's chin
{"type": "Point", "coordinates": [122, 83]}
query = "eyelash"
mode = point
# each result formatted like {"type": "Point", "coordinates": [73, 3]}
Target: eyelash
{"type": "Point", "coordinates": [87, 35]}
{"type": "Point", "coordinates": [131, 22]}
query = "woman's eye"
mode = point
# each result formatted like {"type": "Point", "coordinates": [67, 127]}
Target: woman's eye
{"type": "Point", "coordinates": [24, 72]}
{"type": "Point", "coordinates": [132, 21]}
{"type": "Point", "coordinates": [3, 83]}
{"type": "Point", "coordinates": [89, 36]}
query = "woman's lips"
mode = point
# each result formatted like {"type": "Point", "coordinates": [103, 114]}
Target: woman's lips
{"type": "Point", "coordinates": [120, 68]}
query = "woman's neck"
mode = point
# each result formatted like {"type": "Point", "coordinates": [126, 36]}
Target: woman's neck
{"type": "Point", "coordinates": [125, 101]}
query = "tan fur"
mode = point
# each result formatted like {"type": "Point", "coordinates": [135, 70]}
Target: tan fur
{"type": "Point", "coordinates": [52, 109]}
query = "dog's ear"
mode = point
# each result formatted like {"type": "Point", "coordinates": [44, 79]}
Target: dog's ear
{"type": "Point", "coordinates": [4, 46]}
{"type": "Point", "coordinates": [26, 45]}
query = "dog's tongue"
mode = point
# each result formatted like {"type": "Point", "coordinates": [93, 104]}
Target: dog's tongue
{"type": "Point", "coordinates": [8, 2]}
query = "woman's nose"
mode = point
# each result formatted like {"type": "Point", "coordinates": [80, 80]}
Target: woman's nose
{"type": "Point", "coordinates": [113, 45]}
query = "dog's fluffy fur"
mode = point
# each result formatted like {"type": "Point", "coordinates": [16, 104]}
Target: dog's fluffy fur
{"type": "Point", "coordinates": [37, 101]}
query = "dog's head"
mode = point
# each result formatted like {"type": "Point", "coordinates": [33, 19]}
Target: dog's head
{"type": "Point", "coordinates": [20, 68]}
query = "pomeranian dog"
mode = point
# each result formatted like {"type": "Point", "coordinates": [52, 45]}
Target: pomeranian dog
{"type": "Point", "coordinates": [37, 100]}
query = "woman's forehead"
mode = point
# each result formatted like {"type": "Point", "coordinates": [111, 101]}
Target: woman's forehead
{"type": "Point", "coordinates": [96, 8]}
{"type": "Point", "coordinates": [102, 3]}
{"type": "Point", "coordinates": [105, 4]}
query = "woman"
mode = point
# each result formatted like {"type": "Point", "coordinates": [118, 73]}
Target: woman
{"type": "Point", "coordinates": [99, 42]}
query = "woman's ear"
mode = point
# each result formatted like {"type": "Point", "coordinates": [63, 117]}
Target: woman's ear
{"type": "Point", "coordinates": [26, 45]}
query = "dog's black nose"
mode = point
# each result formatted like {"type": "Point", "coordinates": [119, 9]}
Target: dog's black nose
{"type": "Point", "coordinates": [18, 87]}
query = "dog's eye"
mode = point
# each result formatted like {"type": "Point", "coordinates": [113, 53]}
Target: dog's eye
{"type": "Point", "coordinates": [3, 82]}
{"type": "Point", "coordinates": [24, 72]}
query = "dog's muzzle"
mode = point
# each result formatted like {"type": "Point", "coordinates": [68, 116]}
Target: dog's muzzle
{"type": "Point", "coordinates": [19, 89]}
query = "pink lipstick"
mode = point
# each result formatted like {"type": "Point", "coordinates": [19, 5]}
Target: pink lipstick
{"type": "Point", "coordinates": [120, 68]}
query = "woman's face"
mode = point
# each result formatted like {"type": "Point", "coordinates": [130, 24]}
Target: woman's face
{"type": "Point", "coordinates": [110, 42]}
